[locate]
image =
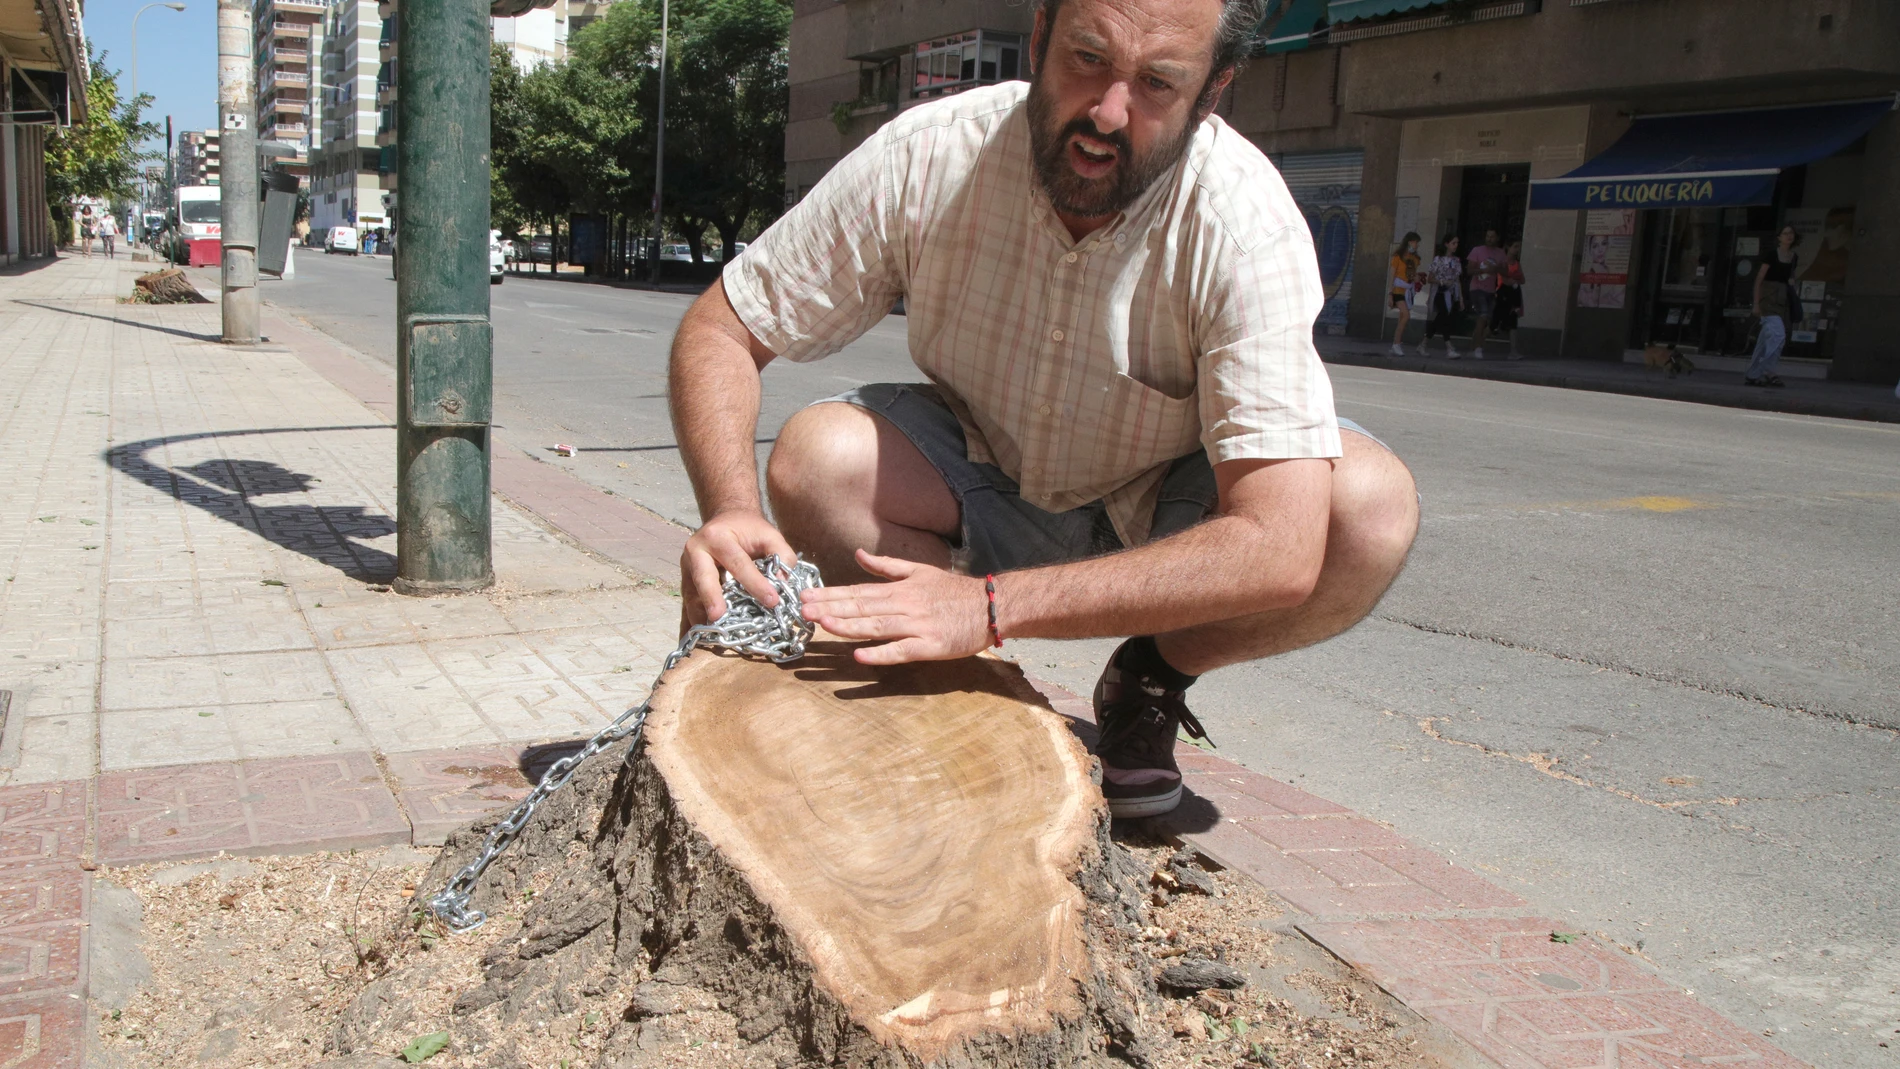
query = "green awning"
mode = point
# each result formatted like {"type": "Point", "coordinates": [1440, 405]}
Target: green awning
{"type": "Point", "coordinates": [1347, 10]}
{"type": "Point", "coordinates": [1290, 25]}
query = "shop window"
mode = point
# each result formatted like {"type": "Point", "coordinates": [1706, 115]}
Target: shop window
{"type": "Point", "coordinates": [952, 64]}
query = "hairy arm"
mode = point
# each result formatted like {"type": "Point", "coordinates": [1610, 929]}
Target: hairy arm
{"type": "Point", "coordinates": [1263, 551]}
{"type": "Point", "coordinates": [713, 392]}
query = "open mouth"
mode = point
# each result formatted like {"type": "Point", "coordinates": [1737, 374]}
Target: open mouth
{"type": "Point", "coordinates": [1091, 158]}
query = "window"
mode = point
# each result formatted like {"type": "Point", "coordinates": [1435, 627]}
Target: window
{"type": "Point", "coordinates": [951, 64]}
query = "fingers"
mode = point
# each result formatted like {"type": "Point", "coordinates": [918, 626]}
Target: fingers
{"type": "Point", "coordinates": [901, 652]}
{"type": "Point", "coordinates": [887, 567]}
{"type": "Point", "coordinates": [702, 600]}
{"type": "Point", "coordinates": [857, 628]}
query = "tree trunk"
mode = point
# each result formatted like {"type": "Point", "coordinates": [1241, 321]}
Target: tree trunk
{"type": "Point", "coordinates": [894, 868]}
{"type": "Point", "coordinates": [169, 286]}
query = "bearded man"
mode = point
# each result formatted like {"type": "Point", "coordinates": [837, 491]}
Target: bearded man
{"type": "Point", "coordinates": [1126, 429]}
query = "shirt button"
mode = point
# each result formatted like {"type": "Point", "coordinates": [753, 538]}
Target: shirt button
{"type": "Point", "coordinates": [1121, 239]}
{"type": "Point", "coordinates": [1045, 410]}
{"type": "Point", "coordinates": [1069, 259]}
{"type": "Point", "coordinates": [1057, 334]}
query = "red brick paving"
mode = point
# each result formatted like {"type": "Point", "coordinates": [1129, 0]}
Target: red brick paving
{"type": "Point", "coordinates": [246, 807]}
{"type": "Point", "coordinates": [42, 1032]}
{"type": "Point", "coordinates": [1528, 1002]}
{"type": "Point", "coordinates": [441, 790]}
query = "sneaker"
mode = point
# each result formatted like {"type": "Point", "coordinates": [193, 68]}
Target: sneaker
{"type": "Point", "coordinates": [1421, 350]}
{"type": "Point", "coordinates": [1452, 352]}
{"type": "Point", "coordinates": [1397, 349]}
{"type": "Point", "coordinates": [1139, 720]}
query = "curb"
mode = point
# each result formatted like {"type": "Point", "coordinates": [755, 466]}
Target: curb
{"type": "Point", "coordinates": [1788, 401]}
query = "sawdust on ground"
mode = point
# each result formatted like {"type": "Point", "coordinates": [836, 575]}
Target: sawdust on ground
{"type": "Point", "coordinates": [253, 961]}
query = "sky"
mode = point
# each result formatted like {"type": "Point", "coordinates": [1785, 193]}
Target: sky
{"type": "Point", "coordinates": [178, 57]}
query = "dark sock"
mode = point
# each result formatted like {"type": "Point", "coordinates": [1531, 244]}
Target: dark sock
{"type": "Point", "coordinates": [1142, 657]}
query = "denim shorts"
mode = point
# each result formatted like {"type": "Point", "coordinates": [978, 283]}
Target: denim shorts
{"type": "Point", "coordinates": [1001, 531]}
{"type": "Point", "coordinates": [1483, 302]}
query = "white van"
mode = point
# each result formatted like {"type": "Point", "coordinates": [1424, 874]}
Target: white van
{"type": "Point", "coordinates": [342, 239]}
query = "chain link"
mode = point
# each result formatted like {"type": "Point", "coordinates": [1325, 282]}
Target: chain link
{"type": "Point", "coordinates": [778, 634]}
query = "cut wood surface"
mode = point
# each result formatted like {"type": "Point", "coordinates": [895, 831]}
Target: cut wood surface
{"type": "Point", "coordinates": [915, 829]}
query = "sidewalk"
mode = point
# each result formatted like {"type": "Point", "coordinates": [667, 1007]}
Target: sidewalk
{"type": "Point", "coordinates": [1802, 396]}
{"type": "Point", "coordinates": [203, 656]}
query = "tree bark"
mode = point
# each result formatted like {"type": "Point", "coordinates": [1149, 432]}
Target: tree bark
{"type": "Point", "coordinates": [893, 868]}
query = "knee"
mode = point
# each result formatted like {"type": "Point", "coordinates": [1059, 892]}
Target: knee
{"type": "Point", "coordinates": [824, 455]}
{"type": "Point", "coordinates": [1375, 507]}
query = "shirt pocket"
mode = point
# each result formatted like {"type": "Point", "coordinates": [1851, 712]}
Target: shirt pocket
{"type": "Point", "coordinates": [1138, 427]}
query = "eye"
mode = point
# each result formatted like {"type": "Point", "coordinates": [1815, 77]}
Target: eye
{"type": "Point", "coordinates": [1089, 58]}
{"type": "Point", "coordinates": [1157, 84]}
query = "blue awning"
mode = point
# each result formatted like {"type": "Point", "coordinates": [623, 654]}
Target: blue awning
{"type": "Point", "coordinates": [1710, 159]}
{"type": "Point", "coordinates": [1295, 26]}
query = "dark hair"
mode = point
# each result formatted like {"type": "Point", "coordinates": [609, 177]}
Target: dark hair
{"type": "Point", "coordinates": [1410, 236]}
{"type": "Point", "coordinates": [1444, 246]}
{"type": "Point", "coordinates": [1233, 38]}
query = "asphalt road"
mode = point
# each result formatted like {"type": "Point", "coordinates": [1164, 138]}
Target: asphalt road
{"type": "Point", "coordinates": [1642, 667]}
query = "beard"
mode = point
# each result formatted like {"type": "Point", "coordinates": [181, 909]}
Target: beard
{"type": "Point", "coordinates": [1071, 193]}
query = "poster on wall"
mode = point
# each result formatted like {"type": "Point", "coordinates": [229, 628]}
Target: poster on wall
{"type": "Point", "coordinates": [1825, 237]}
{"type": "Point", "coordinates": [1326, 187]}
{"type": "Point", "coordinates": [1603, 280]}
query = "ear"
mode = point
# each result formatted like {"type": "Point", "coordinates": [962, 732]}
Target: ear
{"type": "Point", "coordinates": [1038, 38]}
{"type": "Point", "coordinates": [1210, 96]}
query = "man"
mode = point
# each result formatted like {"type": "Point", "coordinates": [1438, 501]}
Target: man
{"type": "Point", "coordinates": [1126, 431]}
{"type": "Point", "coordinates": [1487, 269]}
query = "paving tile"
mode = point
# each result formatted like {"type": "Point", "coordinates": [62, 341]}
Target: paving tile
{"type": "Point", "coordinates": [444, 789]}
{"type": "Point", "coordinates": [53, 749]}
{"type": "Point", "coordinates": [245, 807]}
{"type": "Point", "coordinates": [1207, 775]}
{"type": "Point", "coordinates": [1327, 833]}
{"type": "Point", "coordinates": [45, 1032]}
{"type": "Point", "coordinates": [1529, 1003]}
{"type": "Point", "coordinates": [407, 702]}
{"type": "Point", "coordinates": [299, 675]}
{"type": "Point", "coordinates": [145, 738]}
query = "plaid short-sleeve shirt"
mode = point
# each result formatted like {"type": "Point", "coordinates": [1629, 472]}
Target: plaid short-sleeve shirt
{"type": "Point", "coordinates": [1080, 368]}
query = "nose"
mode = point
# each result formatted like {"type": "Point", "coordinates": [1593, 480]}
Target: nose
{"type": "Point", "coordinates": [1111, 112]}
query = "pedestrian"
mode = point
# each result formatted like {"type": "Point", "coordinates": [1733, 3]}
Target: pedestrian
{"type": "Point", "coordinates": [1510, 296]}
{"type": "Point", "coordinates": [108, 230]}
{"type": "Point", "coordinates": [1487, 270]}
{"type": "Point", "coordinates": [1448, 300]}
{"type": "Point", "coordinates": [1186, 483]}
{"type": "Point", "coordinates": [1403, 284]}
{"type": "Point", "coordinates": [1774, 306]}
{"type": "Point", "coordinates": [88, 226]}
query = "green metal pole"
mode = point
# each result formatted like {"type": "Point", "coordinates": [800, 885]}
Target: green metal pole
{"type": "Point", "coordinates": [445, 344]}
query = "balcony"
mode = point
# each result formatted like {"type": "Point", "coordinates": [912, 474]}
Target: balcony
{"type": "Point", "coordinates": [385, 94]}
{"type": "Point", "coordinates": [289, 55]}
{"type": "Point", "coordinates": [299, 30]}
{"type": "Point", "coordinates": [301, 7]}
{"type": "Point", "coordinates": [289, 105]}
{"type": "Point", "coordinates": [287, 131]}
{"type": "Point", "coordinates": [386, 51]}
{"type": "Point", "coordinates": [279, 79]}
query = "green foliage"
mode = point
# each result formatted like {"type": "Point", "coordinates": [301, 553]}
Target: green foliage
{"type": "Point", "coordinates": [579, 136]}
{"type": "Point", "coordinates": [422, 1048]}
{"type": "Point", "coordinates": [99, 157]}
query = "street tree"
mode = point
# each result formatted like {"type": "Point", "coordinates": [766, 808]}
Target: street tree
{"type": "Point", "coordinates": [100, 155]}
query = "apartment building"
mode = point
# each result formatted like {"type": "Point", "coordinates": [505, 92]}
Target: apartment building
{"type": "Point", "coordinates": [195, 162]}
{"type": "Point", "coordinates": [345, 167]}
{"type": "Point", "coordinates": [1645, 152]}
{"type": "Point", "coordinates": [288, 42]}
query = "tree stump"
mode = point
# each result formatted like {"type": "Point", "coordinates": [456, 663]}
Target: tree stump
{"type": "Point", "coordinates": [169, 286]}
{"type": "Point", "coordinates": [863, 867]}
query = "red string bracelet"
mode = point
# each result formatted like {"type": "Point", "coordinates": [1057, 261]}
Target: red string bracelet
{"type": "Point", "coordinates": [989, 586]}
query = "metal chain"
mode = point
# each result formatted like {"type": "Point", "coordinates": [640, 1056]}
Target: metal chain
{"type": "Point", "coordinates": [778, 633]}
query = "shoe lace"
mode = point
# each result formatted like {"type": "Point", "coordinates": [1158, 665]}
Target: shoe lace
{"type": "Point", "coordinates": [1122, 718]}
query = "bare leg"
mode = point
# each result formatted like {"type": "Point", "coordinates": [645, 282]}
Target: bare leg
{"type": "Point", "coordinates": [1374, 518]}
{"type": "Point", "coordinates": [843, 478]}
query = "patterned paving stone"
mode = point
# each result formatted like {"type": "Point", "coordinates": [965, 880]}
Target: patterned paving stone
{"type": "Point", "coordinates": [1528, 1002]}
{"type": "Point", "coordinates": [42, 1033]}
{"type": "Point", "coordinates": [246, 807]}
{"type": "Point", "coordinates": [442, 790]}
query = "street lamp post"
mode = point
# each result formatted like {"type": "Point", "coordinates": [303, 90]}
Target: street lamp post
{"type": "Point", "coordinates": [175, 6]}
{"type": "Point", "coordinates": [659, 147]}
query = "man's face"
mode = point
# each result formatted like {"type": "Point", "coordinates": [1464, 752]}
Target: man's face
{"type": "Point", "coordinates": [1116, 96]}
{"type": "Point", "coordinates": [1491, 238]}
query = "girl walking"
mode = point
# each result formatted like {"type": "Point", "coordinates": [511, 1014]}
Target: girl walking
{"type": "Point", "coordinates": [1402, 284]}
{"type": "Point", "coordinates": [88, 228]}
{"type": "Point", "coordinates": [108, 229]}
{"type": "Point", "coordinates": [1448, 297]}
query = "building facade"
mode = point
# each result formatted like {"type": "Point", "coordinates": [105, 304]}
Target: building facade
{"type": "Point", "coordinates": [43, 73]}
{"type": "Point", "coordinates": [1549, 121]}
{"type": "Point", "coordinates": [196, 159]}
{"type": "Point", "coordinates": [287, 48]}
{"type": "Point", "coordinates": [345, 168]}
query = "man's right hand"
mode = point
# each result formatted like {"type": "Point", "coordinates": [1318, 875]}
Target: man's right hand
{"type": "Point", "coordinates": [729, 541]}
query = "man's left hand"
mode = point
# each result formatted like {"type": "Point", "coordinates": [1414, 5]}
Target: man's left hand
{"type": "Point", "coordinates": [922, 614]}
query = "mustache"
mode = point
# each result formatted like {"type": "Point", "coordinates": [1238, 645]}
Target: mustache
{"type": "Point", "coordinates": [1086, 126]}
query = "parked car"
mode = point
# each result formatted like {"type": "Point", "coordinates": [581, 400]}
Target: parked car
{"type": "Point", "coordinates": [497, 258]}
{"type": "Point", "coordinates": [677, 253]}
{"type": "Point", "coordinates": [342, 239]}
{"type": "Point", "coordinates": [541, 250]}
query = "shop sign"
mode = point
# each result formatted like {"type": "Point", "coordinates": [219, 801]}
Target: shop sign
{"type": "Point", "coordinates": [1657, 192]}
